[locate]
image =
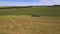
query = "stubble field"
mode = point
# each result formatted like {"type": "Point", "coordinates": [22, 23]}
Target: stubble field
{"type": "Point", "coordinates": [20, 21]}
{"type": "Point", "coordinates": [24, 24]}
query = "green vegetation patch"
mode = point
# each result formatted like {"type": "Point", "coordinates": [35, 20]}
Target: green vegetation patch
{"type": "Point", "coordinates": [43, 11]}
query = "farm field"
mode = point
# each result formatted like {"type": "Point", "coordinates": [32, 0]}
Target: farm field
{"type": "Point", "coordinates": [20, 20]}
{"type": "Point", "coordinates": [43, 11]}
{"type": "Point", "coordinates": [25, 24]}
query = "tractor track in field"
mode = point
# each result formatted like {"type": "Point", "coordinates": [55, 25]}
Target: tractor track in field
{"type": "Point", "coordinates": [13, 21]}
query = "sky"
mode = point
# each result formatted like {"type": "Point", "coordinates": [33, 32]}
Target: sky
{"type": "Point", "coordinates": [28, 2]}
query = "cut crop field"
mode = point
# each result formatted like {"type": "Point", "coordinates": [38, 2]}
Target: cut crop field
{"type": "Point", "coordinates": [24, 24]}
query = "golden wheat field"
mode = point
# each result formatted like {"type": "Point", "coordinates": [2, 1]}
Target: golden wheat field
{"type": "Point", "coordinates": [24, 24]}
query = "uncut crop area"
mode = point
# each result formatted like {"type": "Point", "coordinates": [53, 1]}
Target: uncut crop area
{"type": "Point", "coordinates": [24, 24]}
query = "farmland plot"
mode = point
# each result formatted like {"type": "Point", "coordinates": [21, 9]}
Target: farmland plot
{"type": "Point", "coordinates": [29, 25]}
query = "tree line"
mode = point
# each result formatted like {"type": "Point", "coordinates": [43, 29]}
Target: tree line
{"type": "Point", "coordinates": [12, 7]}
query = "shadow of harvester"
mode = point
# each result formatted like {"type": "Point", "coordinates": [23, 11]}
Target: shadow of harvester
{"type": "Point", "coordinates": [36, 15]}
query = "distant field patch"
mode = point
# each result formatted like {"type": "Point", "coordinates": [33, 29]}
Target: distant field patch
{"type": "Point", "coordinates": [43, 11]}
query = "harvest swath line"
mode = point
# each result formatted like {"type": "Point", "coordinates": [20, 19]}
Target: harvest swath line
{"type": "Point", "coordinates": [12, 21]}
